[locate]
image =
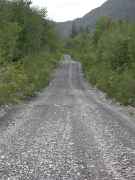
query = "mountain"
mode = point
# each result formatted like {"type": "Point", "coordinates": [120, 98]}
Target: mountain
{"type": "Point", "coordinates": [116, 9]}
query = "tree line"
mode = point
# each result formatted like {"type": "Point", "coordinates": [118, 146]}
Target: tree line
{"type": "Point", "coordinates": [108, 57]}
{"type": "Point", "coordinates": [28, 45]}
{"type": "Point", "coordinates": [23, 30]}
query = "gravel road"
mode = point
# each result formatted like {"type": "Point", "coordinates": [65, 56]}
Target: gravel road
{"type": "Point", "coordinates": [67, 133]}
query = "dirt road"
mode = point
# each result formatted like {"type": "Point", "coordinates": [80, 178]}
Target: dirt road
{"type": "Point", "coordinates": [67, 133]}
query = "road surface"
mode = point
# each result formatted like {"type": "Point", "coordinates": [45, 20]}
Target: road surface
{"type": "Point", "coordinates": [67, 133]}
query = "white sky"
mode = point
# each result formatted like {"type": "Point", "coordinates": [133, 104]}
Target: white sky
{"type": "Point", "coordinates": [63, 10]}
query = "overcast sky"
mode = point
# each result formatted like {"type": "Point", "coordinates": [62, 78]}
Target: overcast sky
{"type": "Point", "coordinates": [62, 10]}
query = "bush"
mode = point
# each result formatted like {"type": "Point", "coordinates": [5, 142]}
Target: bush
{"type": "Point", "coordinates": [108, 58]}
{"type": "Point", "coordinates": [9, 34]}
{"type": "Point", "coordinates": [20, 80]}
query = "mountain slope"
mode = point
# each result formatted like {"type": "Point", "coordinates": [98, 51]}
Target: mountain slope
{"type": "Point", "coordinates": [116, 9]}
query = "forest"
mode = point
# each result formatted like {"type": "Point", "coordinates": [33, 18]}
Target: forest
{"type": "Point", "coordinates": [108, 57]}
{"type": "Point", "coordinates": [29, 50]}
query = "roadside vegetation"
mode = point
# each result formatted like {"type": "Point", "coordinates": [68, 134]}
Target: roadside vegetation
{"type": "Point", "coordinates": [29, 50]}
{"type": "Point", "coordinates": [108, 58]}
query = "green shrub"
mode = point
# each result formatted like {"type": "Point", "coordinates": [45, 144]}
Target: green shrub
{"type": "Point", "coordinates": [108, 58]}
{"type": "Point", "coordinates": [9, 34]}
{"type": "Point", "coordinates": [20, 80]}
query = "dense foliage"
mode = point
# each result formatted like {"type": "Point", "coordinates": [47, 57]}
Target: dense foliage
{"type": "Point", "coordinates": [108, 58]}
{"type": "Point", "coordinates": [28, 44]}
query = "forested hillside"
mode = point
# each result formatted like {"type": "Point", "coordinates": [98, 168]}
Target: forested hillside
{"type": "Point", "coordinates": [108, 58]}
{"type": "Point", "coordinates": [29, 50]}
{"type": "Point", "coordinates": [115, 9]}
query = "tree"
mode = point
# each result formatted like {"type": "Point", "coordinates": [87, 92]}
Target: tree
{"type": "Point", "coordinates": [102, 25]}
{"type": "Point", "coordinates": [74, 30]}
{"type": "Point", "coordinates": [36, 32]}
